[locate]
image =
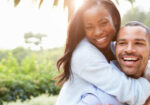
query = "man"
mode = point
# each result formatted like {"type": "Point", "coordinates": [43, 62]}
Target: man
{"type": "Point", "coordinates": [132, 53]}
{"type": "Point", "coordinates": [133, 49]}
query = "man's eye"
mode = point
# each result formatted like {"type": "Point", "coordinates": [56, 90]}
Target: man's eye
{"type": "Point", "coordinates": [138, 43]}
{"type": "Point", "coordinates": [121, 43]}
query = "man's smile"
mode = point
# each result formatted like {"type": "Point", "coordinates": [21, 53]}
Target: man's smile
{"type": "Point", "coordinates": [130, 61]}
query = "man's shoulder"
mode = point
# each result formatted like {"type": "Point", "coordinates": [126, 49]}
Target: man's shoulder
{"type": "Point", "coordinates": [148, 65]}
{"type": "Point", "coordinates": [147, 71]}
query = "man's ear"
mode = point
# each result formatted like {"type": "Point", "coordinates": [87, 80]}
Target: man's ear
{"type": "Point", "coordinates": [149, 50]}
{"type": "Point", "coordinates": [149, 47]}
{"type": "Point", "coordinates": [149, 55]}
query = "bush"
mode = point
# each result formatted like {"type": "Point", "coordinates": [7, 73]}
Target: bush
{"type": "Point", "coordinates": [31, 77]}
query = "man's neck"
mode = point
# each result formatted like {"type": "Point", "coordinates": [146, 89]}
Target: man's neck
{"type": "Point", "coordinates": [147, 101]}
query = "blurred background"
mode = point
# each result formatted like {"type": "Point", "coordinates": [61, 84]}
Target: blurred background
{"type": "Point", "coordinates": [32, 38]}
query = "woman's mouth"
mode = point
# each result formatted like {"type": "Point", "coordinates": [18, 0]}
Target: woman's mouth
{"type": "Point", "coordinates": [101, 40]}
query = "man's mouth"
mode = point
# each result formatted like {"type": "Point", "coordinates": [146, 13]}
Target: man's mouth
{"type": "Point", "coordinates": [130, 61]}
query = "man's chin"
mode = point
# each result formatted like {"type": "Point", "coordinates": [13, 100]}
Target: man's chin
{"type": "Point", "coordinates": [130, 72]}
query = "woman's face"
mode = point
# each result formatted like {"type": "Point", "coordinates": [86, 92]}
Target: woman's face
{"type": "Point", "coordinates": [98, 26]}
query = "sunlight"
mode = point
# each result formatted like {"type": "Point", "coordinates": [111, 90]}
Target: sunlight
{"type": "Point", "coordinates": [26, 17]}
{"type": "Point", "coordinates": [77, 4]}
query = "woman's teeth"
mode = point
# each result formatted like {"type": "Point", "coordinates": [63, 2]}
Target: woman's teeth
{"type": "Point", "coordinates": [101, 39]}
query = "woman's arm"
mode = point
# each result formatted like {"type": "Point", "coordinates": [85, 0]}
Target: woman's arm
{"type": "Point", "coordinates": [91, 65]}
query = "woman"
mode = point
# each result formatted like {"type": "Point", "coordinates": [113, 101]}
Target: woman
{"type": "Point", "coordinates": [87, 56]}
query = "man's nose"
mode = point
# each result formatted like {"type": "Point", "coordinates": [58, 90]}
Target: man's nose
{"type": "Point", "coordinates": [130, 48]}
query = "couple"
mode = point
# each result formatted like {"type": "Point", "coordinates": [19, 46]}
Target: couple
{"type": "Point", "coordinates": [86, 62]}
{"type": "Point", "coordinates": [133, 45]}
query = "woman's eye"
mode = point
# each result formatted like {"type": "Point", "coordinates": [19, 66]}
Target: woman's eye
{"type": "Point", "coordinates": [103, 23]}
{"type": "Point", "coordinates": [89, 27]}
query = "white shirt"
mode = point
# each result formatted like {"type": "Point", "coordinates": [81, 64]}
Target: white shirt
{"type": "Point", "coordinates": [89, 65]}
{"type": "Point", "coordinates": [97, 96]}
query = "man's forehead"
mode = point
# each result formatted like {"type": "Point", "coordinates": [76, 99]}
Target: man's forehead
{"type": "Point", "coordinates": [132, 28]}
{"type": "Point", "coordinates": [132, 32]}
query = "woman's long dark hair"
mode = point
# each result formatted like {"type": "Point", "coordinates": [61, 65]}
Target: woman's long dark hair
{"type": "Point", "coordinates": [76, 33]}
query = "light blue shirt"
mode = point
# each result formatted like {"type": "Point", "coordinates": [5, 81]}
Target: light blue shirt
{"type": "Point", "coordinates": [89, 65]}
{"type": "Point", "coordinates": [98, 96]}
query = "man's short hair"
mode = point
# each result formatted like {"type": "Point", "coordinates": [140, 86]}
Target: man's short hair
{"type": "Point", "coordinates": [136, 23]}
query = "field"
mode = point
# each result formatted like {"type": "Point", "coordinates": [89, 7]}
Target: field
{"type": "Point", "coordinates": [41, 100]}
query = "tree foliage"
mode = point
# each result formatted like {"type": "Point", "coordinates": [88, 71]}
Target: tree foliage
{"type": "Point", "coordinates": [69, 4]}
{"type": "Point", "coordinates": [35, 39]}
{"type": "Point", "coordinates": [66, 2]}
{"type": "Point", "coordinates": [135, 14]}
{"type": "Point", "coordinates": [32, 76]}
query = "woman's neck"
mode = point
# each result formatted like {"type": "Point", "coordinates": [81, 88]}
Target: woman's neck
{"type": "Point", "coordinates": [108, 53]}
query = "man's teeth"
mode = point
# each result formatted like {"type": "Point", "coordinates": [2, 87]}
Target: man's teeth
{"type": "Point", "coordinates": [130, 59]}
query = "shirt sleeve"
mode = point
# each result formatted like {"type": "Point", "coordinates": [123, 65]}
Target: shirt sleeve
{"type": "Point", "coordinates": [91, 65]}
{"type": "Point", "coordinates": [89, 99]}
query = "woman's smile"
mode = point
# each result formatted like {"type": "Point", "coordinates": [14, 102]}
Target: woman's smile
{"type": "Point", "coordinates": [101, 40]}
{"type": "Point", "coordinates": [102, 30]}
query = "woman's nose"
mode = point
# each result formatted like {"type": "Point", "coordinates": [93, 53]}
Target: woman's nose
{"type": "Point", "coordinates": [98, 32]}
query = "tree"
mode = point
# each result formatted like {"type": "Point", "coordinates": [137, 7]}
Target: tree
{"type": "Point", "coordinates": [35, 39]}
{"type": "Point", "coordinates": [69, 4]}
{"type": "Point", "coordinates": [136, 15]}
{"type": "Point", "coordinates": [132, 3]}
{"type": "Point", "coordinates": [20, 53]}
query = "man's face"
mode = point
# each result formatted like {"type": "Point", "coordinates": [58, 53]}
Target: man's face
{"type": "Point", "coordinates": [132, 50]}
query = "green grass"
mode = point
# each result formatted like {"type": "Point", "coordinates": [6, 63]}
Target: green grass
{"type": "Point", "coordinates": [41, 100]}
